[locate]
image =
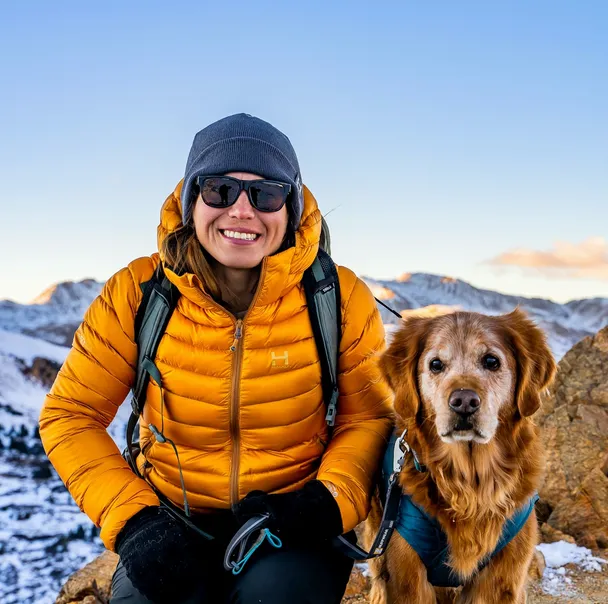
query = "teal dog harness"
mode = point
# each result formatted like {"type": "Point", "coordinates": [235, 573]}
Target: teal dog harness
{"type": "Point", "coordinates": [425, 535]}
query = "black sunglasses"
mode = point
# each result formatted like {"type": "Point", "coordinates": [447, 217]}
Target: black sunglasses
{"type": "Point", "coordinates": [223, 191]}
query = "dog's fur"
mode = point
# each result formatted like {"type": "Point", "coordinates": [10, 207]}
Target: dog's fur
{"type": "Point", "coordinates": [475, 478]}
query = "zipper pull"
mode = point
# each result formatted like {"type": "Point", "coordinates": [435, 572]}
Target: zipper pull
{"type": "Point", "coordinates": [237, 335]}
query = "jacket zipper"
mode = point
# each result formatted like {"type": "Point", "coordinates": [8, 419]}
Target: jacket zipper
{"type": "Point", "coordinates": [236, 350]}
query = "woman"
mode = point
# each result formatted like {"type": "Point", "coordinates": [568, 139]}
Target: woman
{"type": "Point", "coordinates": [240, 394]}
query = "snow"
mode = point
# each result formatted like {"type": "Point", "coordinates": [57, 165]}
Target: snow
{"type": "Point", "coordinates": [562, 553]}
{"type": "Point", "coordinates": [27, 348]}
{"type": "Point", "coordinates": [21, 398]}
{"type": "Point", "coordinates": [557, 555]}
{"type": "Point", "coordinates": [44, 536]}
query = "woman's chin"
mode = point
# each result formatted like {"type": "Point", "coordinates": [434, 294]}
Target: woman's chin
{"type": "Point", "coordinates": [242, 261]}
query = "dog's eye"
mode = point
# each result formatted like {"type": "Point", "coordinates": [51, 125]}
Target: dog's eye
{"type": "Point", "coordinates": [490, 362]}
{"type": "Point", "coordinates": [436, 366]}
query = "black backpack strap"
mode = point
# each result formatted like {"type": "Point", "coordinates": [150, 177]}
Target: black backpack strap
{"type": "Point", "coordinates": [322, 289]}
{"type": "Point", "coordinates": [160, 297]}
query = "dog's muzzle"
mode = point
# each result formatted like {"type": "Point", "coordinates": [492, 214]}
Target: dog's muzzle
{"type": "Point", "coordinates": [464, 403]}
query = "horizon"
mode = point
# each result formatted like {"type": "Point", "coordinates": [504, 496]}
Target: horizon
{"type": "Point", "coordinates": [460, 140]}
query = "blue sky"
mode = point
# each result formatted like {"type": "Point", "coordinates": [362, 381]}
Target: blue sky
{"type": "Point", "coordinates": [460, 138]}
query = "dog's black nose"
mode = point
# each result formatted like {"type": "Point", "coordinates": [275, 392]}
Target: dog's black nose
{"type": "Point", "coordinates": [464, 402]}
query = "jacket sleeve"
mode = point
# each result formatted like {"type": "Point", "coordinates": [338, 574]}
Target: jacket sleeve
{"type": "Point", "coordinates": [364, 418]}
{"type": "Point", "coordinates": [92, 383]}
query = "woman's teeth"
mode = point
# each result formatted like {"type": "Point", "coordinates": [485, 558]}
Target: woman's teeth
{"type": "Point", "coordinates": [238, 235]}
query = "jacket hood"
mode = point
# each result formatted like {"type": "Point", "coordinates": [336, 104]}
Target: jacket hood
{"type": "Point", "coordinates": [280, 272]}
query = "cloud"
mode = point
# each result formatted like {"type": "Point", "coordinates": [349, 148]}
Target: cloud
{"type": "Point", "coordinates": [585, 260]}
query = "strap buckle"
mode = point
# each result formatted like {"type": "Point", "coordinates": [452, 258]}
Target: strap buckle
{"type": "Point", "coordinates": [332, 408]}
{"type": "Point", "coordinates": [400, 450]}
{"type": "Point", "coordinates": [134, 405]}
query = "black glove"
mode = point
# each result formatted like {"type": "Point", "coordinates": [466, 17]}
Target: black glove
{"type": "Point", "coordinates": [307, 515]}
{"type": "Point", "coordinates": [160, 554]}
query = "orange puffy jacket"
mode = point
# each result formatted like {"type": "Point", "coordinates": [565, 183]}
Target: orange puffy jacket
{"type": "Point", "coordinates": [243, 419]}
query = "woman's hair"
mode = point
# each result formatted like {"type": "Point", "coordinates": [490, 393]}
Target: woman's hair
{"type": "Point", "coordinates": [183, 252]}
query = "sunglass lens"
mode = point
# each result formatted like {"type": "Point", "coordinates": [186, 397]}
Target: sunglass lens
{"type": "Point", "coordinates": [219, 192]}
{"type": "Point", "coordinates": [268, 197]}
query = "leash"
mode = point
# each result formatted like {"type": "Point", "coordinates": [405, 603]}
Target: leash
{"type": "Point", "coordinates": [389, 308]}
{"type": "Point", "coordinates": [391, 509]}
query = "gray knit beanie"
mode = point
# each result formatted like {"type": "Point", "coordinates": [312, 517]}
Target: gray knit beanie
{"type": "Point", "coordinates": [243, 143]}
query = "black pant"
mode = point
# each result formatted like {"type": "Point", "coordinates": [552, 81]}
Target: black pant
{"type": "Point", "coordinates": [290, 575]}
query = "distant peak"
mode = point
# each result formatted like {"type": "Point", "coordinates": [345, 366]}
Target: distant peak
{"type": "Point", "coordinates": [382, 293]}
{"type": "Point", "coordinates": [432, 310]}
{"type": "Point", "coordinates": [68, 292]}
{"type": "Point", "coordinates": [404, 277]}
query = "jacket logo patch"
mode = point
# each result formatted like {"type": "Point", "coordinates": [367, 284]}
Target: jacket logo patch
{"type": "Point", "coordinates": [279, 360]}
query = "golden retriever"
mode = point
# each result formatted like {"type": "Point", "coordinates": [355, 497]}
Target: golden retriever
{"type": "Point", "coordinates": [465, 387]}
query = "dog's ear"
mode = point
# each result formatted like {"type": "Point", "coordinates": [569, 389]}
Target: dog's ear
{"type": "Point", "coordinates": [533, 358]}
{"type": "Point", "coordinates": [399, 364]}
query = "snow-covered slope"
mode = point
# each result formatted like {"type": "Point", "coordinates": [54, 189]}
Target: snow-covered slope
{"type": "Point", "coordinates": [20, 397]}
{"type": "Point", "coordinates": [44, 535]}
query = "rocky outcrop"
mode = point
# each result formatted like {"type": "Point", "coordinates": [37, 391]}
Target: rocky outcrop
{"type": "Point", "coordinates": [574, 421]}
{"type": "Point", "coordinates": [91, 584]}
{"type": "Point", "coordinates": [43, 371]}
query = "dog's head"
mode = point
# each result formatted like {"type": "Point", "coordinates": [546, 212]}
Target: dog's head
{"type": "Point", "coordinates": [465, 371]}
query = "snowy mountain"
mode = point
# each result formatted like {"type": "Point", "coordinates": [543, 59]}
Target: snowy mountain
{"type": "Point", "coordinates": [565, 324]}
{"type": "Point", "coordinates": [43, 535]}
{"type": "Point", "coordinates": [54, 315]}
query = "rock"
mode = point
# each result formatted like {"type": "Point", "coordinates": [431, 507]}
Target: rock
{"type": "Point", "coordinates": [551, 535]}
{"type": "Point", "coordinates": [43, 370]}
{"type": "Point", "coordinates": [537, 566]}
{"type": "Point", "coordinates": [574, 422]}
{"type": "Point", "coordinates": [585, 514]}
{"type": "Point", "coordinates": [91, 584]}
{"type": "Point", "coordinates": [358, 583]}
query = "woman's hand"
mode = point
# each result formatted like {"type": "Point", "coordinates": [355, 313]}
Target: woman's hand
{"type": "Point", "coordinates": [160, 555]}
{"type": "Point", "coordinates": [306, 515]}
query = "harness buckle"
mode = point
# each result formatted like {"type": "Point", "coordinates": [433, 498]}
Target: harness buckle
{"type": "Point", "coordinates": [400, 450]}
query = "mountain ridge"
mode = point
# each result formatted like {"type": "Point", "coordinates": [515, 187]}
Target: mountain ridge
{"type": "Point", "coordinates": [55, 314]}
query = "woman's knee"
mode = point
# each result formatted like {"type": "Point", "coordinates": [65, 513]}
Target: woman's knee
{"type": "Point", "coordinates": [297, 577]}
{"type": "Point", "coordinates": [123, 591]}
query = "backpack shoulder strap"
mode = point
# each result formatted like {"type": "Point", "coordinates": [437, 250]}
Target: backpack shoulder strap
{"type": "Point", "coordinates": [322, 289]}
{"type": "Point", "coordinates": [159, 300]}
{"type": "Point", "coordinates": [157, 305]}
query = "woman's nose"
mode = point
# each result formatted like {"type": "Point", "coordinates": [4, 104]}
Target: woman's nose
{"type": "Point", "coordinates": [241, 209]}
